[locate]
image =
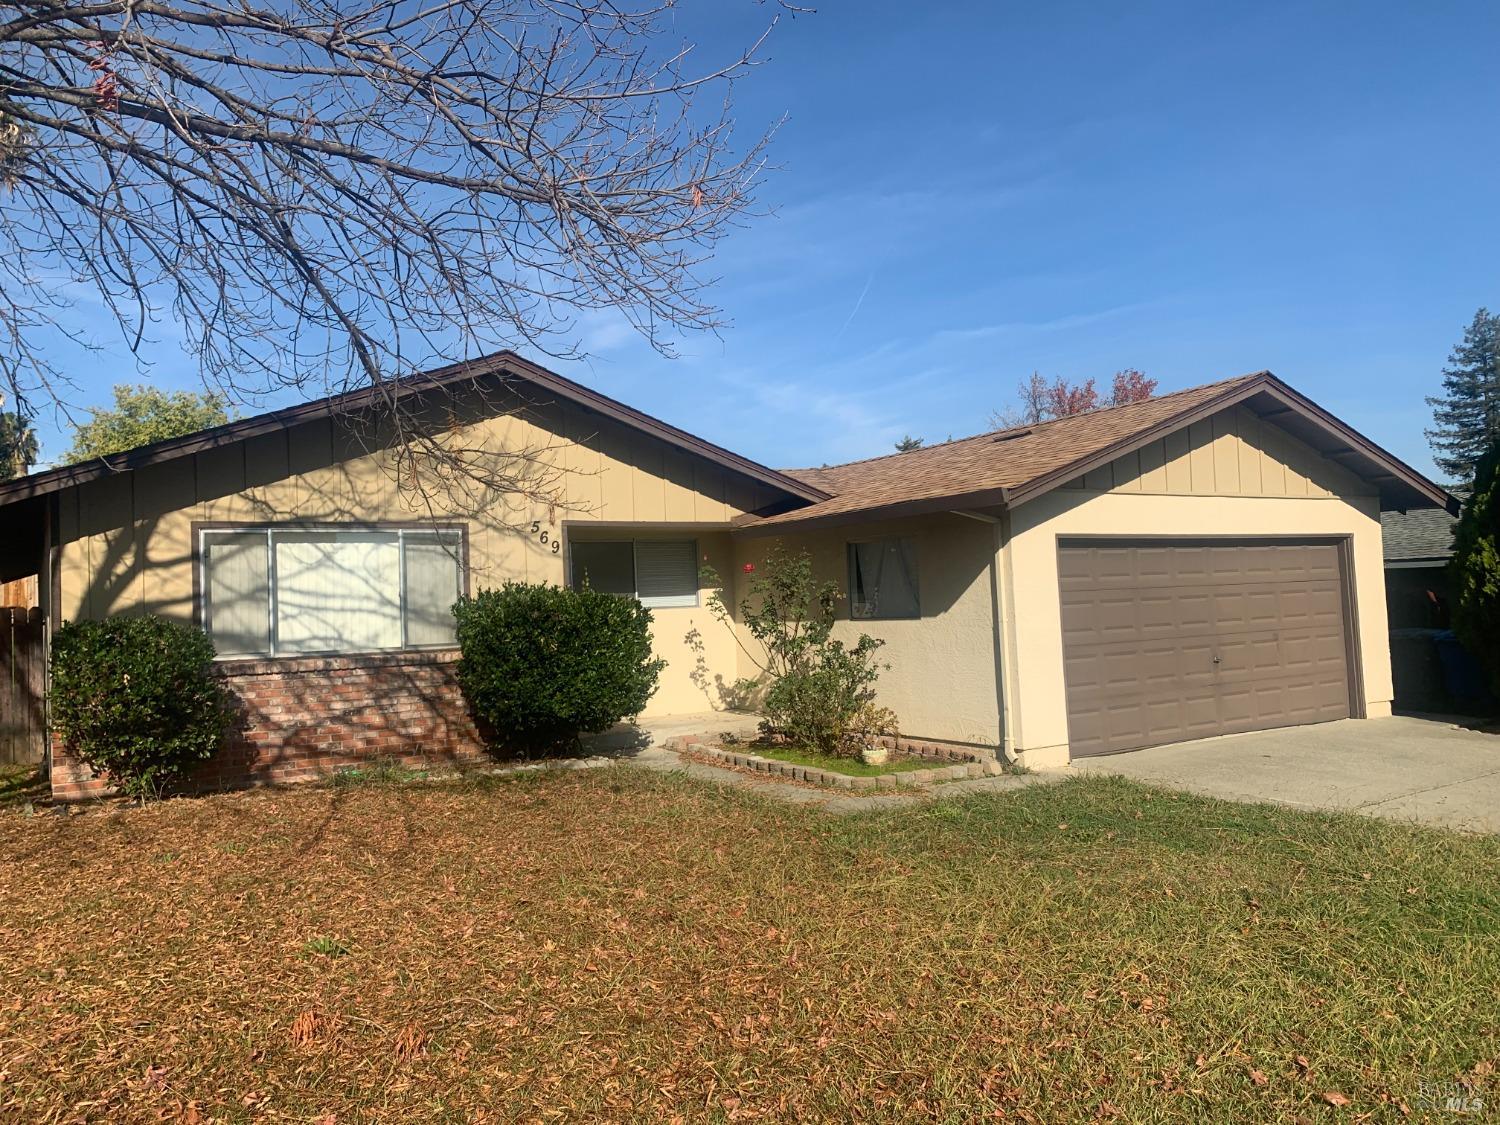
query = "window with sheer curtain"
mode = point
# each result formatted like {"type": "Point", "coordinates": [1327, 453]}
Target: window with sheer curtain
{"type": "Point", "coordinates": [298, 591]}
{"type": "Point", "coordinates": [883, 580]}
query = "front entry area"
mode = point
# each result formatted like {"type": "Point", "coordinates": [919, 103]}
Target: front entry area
{"type": "Point", "coordinates": [1171, 640]}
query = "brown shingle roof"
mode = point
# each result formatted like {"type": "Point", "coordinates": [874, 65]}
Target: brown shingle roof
{"type": "Point", "coordinates": [989, 462]}
{"type": "Point", "coordinates": [1009, 466]}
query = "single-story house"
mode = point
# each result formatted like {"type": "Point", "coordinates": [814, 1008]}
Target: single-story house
{"type": "Point", "coordinates": [1204, 562]}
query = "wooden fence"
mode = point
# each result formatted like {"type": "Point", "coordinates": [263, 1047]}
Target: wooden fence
{"type": "Point", "coordinates": [23, 727]}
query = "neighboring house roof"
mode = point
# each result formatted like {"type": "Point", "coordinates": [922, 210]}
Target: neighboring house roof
{"type": "Point", "coordinates": [1423, 537]}
{"type": "Point", "coordinates": [1008, 467]}
{"type": "Point", "coordinates": [505, 364]}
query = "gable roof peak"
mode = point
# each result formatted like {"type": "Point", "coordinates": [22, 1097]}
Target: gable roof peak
{"type": "Point", "coordinates": [985, 471]}
{"type": "Point", "coordinates": [1026, 428]}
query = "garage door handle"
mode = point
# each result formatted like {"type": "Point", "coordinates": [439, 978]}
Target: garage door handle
{"type": "Point", "coordinates": [1216, 659]}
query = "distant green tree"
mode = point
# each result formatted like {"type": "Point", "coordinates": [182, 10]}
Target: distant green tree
{"type": "Point", "coordinates": [143, 415]}
{"type": "Point", "coordinates": [908, 443]}
{"type": "Point", "coordinates": [1467, 413]}
{"type": "Point", "coordinates": [18, 450]}
{"type": "Point", "coordinates": [1475, 566]}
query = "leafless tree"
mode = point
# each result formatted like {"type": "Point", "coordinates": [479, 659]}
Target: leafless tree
{"type": "Point", "coordinates": [323, 194]}
{"type": "Point", "coordinates": [1032, 398]}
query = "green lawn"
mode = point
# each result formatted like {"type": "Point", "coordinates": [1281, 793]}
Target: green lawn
{"type": "Point", "coordinates": [854, 767]}
{"type": "Point", "coordinates": [618, 945]}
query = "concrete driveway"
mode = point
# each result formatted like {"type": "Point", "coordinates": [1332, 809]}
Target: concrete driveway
{"type": "Point", "coordinates": [1404, 768]}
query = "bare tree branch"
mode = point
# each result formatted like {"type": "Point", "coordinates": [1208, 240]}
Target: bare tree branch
{"type": "Point", "coordinates": [322, 194]}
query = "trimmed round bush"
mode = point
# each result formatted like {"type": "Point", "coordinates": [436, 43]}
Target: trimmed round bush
{"type": "Point", "coordinates": [543, 664]}
{"type": "Point", "coordinates": [136, 698]}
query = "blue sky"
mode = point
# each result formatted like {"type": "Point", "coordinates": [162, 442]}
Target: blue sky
{"type": "Point", "coordinates": [968, 192]}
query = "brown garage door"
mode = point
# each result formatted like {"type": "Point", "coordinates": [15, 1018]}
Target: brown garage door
{"type": "Point", "coordinates": [1168, 641]}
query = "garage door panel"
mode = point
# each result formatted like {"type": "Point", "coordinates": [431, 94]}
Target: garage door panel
{"type": "Point", "coordinates": [1142, 625]}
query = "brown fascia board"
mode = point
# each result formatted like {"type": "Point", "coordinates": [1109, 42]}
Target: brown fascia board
{"type": "Point", "coordinates": [752, 527]}
{"type": "Point", "coordinates": [500, 363]}
{"type": "Point", "coordinates": [1262, 383]}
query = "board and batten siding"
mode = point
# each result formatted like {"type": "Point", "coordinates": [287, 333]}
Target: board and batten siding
{"type": "Point", "coordinates": [1232, 453]}
{"type": "Point", "coordinates": [1231, 475]}
{"type": "Point", "coordinates": [126, 542]}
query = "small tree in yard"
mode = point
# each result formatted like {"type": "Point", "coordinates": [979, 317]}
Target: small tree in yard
{"type": "Point", "coordinates": [543, 664]}
{"type": "Point", "coordinates": [1475, 567]}
{"type": "Point", "coordinates": [821, 692]}
{"type": "Point", "coordinates": [136, 699]}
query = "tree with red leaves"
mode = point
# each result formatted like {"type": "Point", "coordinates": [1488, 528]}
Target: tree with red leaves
{"type": "Point", "coordinates": [1130, 386]}
{"type": "Point", "coordinates": [1039, 400]}
{"type": "Point", "coordinates": [1066, 399]}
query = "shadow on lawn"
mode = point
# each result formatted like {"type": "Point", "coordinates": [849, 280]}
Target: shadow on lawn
{"type": "Point", "coordinates": [21, 786]}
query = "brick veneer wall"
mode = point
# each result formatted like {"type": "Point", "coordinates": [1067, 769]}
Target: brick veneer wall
{"type": "Point", "coordinates": [304, 718]}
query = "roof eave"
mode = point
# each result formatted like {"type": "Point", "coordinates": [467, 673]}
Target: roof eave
{"type": "Point", "coordinates": [922, 506]}
{"type": "Point", "coordinates": [1262, 383]}
{"type": "Point", "coordinates": [1416, 486]}
{"type": "Point", "coordinates": [503, 364]}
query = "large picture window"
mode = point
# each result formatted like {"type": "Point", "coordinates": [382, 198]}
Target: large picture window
{"type": "Point", "coordinates": [662, 573]}
{"type": "Point", "coordinates": [271, 591]}
{"type": "Point", "coordinates": [883, 580]}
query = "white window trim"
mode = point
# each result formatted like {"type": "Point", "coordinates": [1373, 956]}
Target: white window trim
{"type": "Point", "coordinates": [663, 601]}
{"type": "Point", "coordinates": [205, 609]}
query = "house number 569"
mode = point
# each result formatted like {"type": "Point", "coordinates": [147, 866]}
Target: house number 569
{"type": "Point", "coordinates": [544, 537]}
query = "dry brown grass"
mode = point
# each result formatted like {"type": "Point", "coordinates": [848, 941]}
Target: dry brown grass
{"type": "Point", "coordinates": [612, 945]}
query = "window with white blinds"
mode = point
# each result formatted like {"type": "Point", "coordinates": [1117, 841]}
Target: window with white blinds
{"type": "Point", "coordinates": [661, 573]}
{"type": "Point", "coordinates": [299, 591]}
{"type": "Point", "coordinates": [666, 572]}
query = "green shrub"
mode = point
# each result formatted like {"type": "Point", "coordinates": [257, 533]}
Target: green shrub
{"type": "Point", "coordinates": [821, 692]}
{"type": "Point", "coordinates": [543, 664]}
{"type": "Point", "coordinates": [1475, 567]}
{"type": "Point", "coordinates": [136, 698]}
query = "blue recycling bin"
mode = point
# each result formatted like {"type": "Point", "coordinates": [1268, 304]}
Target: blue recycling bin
{"type": "Point", "coordinates": [1463, 678]}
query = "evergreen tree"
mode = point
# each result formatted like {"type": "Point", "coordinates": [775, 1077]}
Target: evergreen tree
{"type": "Point", "coordinates": [18, 450]}
{"type": "Point", "coordinates": [1475, 566]}
{"type": "Point", "coordinates": [908, 443]}
{"type": "Point", "coordinates": [1467, 413]}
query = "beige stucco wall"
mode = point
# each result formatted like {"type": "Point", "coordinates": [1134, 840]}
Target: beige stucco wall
{"type": "Point", "coordinates": [701, 653]}
{"type": "Point", "coordinates": [941, 681]}
{"type": "Point", "coordinates": [1037, 724]}
{"type": "Point", "coordinates": [127, 542]}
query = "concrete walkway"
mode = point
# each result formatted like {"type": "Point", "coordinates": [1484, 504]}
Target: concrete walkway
{"type": "Point", "coordinates": [1427, 770]}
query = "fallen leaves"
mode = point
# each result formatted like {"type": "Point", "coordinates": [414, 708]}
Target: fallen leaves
{"type": "Point", "coordinates": [308, 1028]}
{"type": "Point", "coordinates": [411, 1041]}
{"type": "Point", "coordinates": [625, 947]}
